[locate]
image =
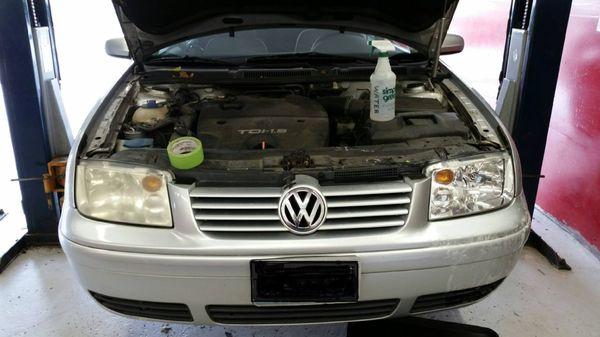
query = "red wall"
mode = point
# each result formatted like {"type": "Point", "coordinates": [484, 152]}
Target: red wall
{"type": "Point", "coordinates": [571, 190]}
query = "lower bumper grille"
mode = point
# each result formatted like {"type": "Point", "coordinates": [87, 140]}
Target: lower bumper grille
{"type": "Point", "coordinates": [247, 314]}
{"type": "Point", "coordinates": [155, 310]}
{"type": "Point", "coordinates": [452, 298]}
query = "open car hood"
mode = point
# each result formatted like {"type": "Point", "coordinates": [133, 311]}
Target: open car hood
{"type": "Point", "coordinates": [149, 25]}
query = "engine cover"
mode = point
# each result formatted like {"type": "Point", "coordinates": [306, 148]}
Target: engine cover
{"type": "Point", "coordinates": [248, 122]}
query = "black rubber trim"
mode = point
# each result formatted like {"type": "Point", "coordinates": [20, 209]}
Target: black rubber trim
{"type": "Point", "coordinates": [452, 298]}
{"type": "Point", "coordinates": [155, 310]}
{"type": "Point", "coordinates": [416, 327]}
{"type": "Point", "coordinates": [248, 314]}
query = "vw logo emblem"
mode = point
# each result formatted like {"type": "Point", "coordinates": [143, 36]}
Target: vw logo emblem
{"type": "Point", "coordinates": [302, 209]}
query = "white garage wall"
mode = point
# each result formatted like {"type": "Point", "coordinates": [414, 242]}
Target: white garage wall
{"type": "Point", "coordinates": [87, 73]}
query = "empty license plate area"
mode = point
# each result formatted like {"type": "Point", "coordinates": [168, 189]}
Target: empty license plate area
{"type": "Point", "coordinates": [304, 281]}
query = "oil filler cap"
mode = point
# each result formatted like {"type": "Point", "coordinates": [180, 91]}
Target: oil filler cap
{"type": "Point", "coordinates": [185, 153]}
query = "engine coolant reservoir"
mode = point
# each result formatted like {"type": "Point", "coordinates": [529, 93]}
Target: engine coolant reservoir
{"type": "Point", "coordinates": [383, 84]}
{"type": "Point", "coordinates": [150, 113]}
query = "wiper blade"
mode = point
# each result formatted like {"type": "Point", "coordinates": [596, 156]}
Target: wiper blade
{"type": "Point", "coordinates": [183, 60]}
{"type": "Point", "coordinates": [307, 57]}
{"type": "Point", "coordinates": [405, 58]}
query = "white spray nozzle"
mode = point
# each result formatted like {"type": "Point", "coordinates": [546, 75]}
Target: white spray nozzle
{"type": "Point", "coordinates": [383, 46]}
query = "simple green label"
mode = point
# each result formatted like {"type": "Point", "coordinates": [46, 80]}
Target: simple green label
{"type": "Point", "coordinates": [388, 94]}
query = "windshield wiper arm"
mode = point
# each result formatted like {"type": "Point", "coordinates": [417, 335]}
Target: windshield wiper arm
{"type": "Point", "coordinates": [307, 57]}
{"type": "Point", "coordinates": [407, 58]}
{"type": "Point", "coordinates": [182, 60]}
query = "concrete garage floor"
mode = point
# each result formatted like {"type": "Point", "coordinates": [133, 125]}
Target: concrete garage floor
{"type": "Point", "coordinates": [39, 297]}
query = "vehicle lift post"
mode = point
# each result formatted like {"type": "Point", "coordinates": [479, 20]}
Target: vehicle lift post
{"type": "Point", "coordinates": [23, 98]}
{"type": "Point", "coordinates": [545, 24]}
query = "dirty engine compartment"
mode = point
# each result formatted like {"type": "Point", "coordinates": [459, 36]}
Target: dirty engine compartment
{"type": "Point", "coordinates": [320, 127]}
{"type": "Point", "coordinates": [288, 117]}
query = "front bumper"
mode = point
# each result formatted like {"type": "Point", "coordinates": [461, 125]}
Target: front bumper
{"type": "Point", "coordinates": [200, 279]}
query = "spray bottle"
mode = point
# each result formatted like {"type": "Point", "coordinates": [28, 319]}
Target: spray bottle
{"type": "Point", "coordinates": [383, 84]}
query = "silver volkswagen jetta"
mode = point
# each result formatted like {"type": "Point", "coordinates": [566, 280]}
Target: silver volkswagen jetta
{"type": "Point", "coordinates": [297, 208]}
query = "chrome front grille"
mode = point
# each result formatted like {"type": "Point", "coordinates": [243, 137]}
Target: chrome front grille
{"type": "Point", "coordinates": [254, 209]}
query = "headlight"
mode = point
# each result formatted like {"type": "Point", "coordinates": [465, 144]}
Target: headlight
{"type": "Point", "coordinates": [132, 195]}
{"type": "Point", "coordinates": [472, 185]}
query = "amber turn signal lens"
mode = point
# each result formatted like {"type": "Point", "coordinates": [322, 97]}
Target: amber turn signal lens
{"type": "Point", "coordinates": [151, 183]}
{"type": "Point", "coordinates": [444, 176]}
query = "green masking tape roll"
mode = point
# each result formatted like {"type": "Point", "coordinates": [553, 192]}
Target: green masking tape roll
{"type": "Point", "coordinates": [185, 152]}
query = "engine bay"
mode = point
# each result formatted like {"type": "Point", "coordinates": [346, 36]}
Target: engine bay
{"type": "Point", "coordinates": [289, 117]}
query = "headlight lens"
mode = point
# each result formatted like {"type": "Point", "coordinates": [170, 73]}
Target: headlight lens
{"type": "Point", "coordinates": [473, 185]}
{"type": "Point", "coordinates": [132, 195]}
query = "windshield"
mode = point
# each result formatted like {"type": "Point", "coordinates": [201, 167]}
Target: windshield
{"type": "Point", "coordinates": [278, 41]}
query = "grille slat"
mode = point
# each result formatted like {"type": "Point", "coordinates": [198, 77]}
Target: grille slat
{"type": "Point", "coordinates": [236, 314]}
{"type": "Point", "coordinates": [254, 209]}
{"type": "Point", "coordinates": [367, 189]}
{"type": "Point", "coordinates": [275, 226]}
{"type": "Point", "coordinates": [311, 317]}
{"type": "Point", "coordinates": [361, 212]}
{"type": "Point", "coordinates": [236, 215]}
{"type": "Point", "coordinates": [236, 204]}
{"type": "Point", "coordinates": [366, 201]}
{"type": "Point", "coordinates": [236, 192]}
{"type": "Point", "coordinates": [452, 298]}
{"type": "Point", "coordinates": [242, 226]}
{"type": "Point", "coordinates": [156, 310]}
{"type": "Point", "coordinates": [132, 305]}
{"type": "Point", "coordinates": [362, 224]}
